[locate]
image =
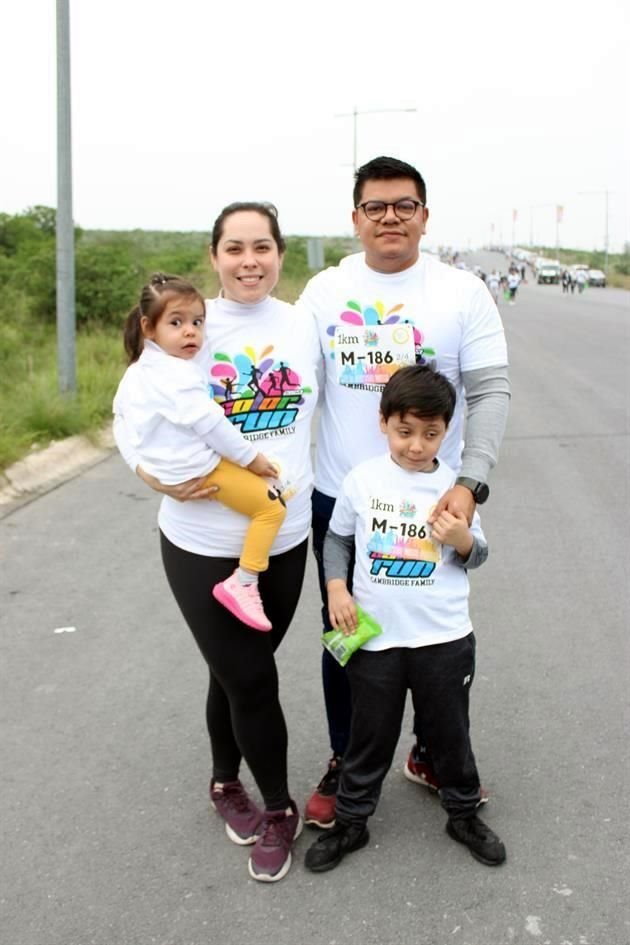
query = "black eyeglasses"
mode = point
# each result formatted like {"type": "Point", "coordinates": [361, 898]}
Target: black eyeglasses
{"type": "Point", "coordinates": [376, 209]}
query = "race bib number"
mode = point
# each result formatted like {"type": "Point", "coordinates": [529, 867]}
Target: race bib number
{"type": "Point", "coordinates": [399, 541]}
{"type": "Point", "coordinates": [370, 354]}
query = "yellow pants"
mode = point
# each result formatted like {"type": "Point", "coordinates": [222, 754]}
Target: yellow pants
{"type": "Point", "coordinates": [245, 492]}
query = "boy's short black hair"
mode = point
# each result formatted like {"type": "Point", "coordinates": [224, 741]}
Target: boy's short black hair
{"type": "Point", "coordinates": [419, 390]}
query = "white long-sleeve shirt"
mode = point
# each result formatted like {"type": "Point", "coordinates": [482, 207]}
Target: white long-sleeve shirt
{"type": "Point", "coordinates": [177, 431]}
{"type": "Point", "coordinates": [260, 366]}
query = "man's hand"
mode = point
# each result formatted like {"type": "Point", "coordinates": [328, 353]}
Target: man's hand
{"type": "Point", "coordinates": [342, 609]}
{"type": "Point", "coordinates": [453, 530]}
{"type": "Point", "coordinates": [262, 467]}
{"type": "Point", "coordinates": [458, 501]}
{"type": "Point", "coordinates": [182, 491]}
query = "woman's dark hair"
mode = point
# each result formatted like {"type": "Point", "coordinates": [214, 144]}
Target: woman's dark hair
{"type": "Point", "coordinates": [264, 209]}
{"type": "Point", "coordinates": [387, 168]}
{"type": "Point", "coordinates": [419, 390]}
{"type": "Point", "coordinates": [154, 297]}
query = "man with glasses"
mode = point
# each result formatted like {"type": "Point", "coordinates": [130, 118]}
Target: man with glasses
{"type": "Point", "coordinates": [377, 310]}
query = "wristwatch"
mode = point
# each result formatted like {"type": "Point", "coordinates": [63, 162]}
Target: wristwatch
{"type": "Point", "coordinates": [479, 490]}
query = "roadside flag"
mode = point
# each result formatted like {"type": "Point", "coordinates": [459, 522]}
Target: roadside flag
{"type": "Point", "coordinates": [559, 212]}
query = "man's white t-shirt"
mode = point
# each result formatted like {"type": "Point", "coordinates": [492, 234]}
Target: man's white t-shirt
{"type": "Point", "coordinates": [415, 588]}
{"type": "Point", "coordinates": [455, 326]}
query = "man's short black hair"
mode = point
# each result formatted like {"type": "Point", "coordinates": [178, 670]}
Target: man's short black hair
{"type": "Point", "coordinates": [419, 390]}
{"type": "Point", "coordinates": [387, 168]}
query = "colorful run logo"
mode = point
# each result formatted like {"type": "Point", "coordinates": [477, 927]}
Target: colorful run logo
{"type": "Point", "coordinates": [257, 392]}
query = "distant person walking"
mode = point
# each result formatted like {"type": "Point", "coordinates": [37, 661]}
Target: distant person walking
{"type": "Point", "coordinates": [581, 280]}
{"type": "Point", "coordinates": [494, 285]}
{"type": "Point", "coordinates": [566, 281]}
{"type": "Point", "coordinates": [513, 282]}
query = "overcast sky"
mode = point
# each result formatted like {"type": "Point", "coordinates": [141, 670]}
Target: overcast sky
{"type": "Point", "coordinates": [181, 107]}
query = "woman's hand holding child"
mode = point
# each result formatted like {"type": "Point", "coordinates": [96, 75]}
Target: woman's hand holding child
{"type": "Point", "coordinates": [263, 467]}
{"type": "Point", "coordinates": [182, 491]}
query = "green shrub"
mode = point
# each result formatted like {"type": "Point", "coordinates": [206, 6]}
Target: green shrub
{"type": "Point", "coordinates": [107, 282]}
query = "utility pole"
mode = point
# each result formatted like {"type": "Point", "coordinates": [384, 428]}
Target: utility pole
{"type": "Point", "coordinates": [514, 219]}
{"type": "Point", "coordinates": [66, 318]}
{"type": "Point", "coordinates": [354, 114]}
{"type": "Point", "coordinates": [605, 193]}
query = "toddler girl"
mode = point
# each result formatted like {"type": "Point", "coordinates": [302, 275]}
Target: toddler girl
{"type": "Point", "coordinates": [180, 433]}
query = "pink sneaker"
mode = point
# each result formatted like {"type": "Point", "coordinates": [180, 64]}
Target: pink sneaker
{"type": "Point", "coordinates": [242, 600]}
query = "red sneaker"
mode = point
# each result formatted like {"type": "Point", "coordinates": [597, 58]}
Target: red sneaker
{"type": "Point", "coordinates": [320, 807]}
{"type": "Point", "coordinates": [421, 773]}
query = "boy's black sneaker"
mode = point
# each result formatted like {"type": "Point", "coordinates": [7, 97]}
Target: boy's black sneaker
{"type": "Point", "coordinates": [482, 842]}
{"type": "Point", "coordinates": [329, 850]}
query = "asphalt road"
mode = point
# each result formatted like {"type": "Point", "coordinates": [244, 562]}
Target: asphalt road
{"type": "Point", "coordinates": [107, 836]}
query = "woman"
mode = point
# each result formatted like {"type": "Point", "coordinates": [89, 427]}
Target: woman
{"type": "Point", "coordinates": [262, 360]}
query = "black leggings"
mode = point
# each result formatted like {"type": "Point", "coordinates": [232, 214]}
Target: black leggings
{"type": "Point", "coordinates": [243, 710]}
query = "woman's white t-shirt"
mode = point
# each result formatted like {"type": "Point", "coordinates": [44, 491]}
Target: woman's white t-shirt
{"type": "Point", "coordinates": [455, 325]}
{"type": "Point", "coordinates": [413, 587]}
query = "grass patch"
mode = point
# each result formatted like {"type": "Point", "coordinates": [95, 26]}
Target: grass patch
{"type": "Point", "coordinates": [111, 266]}
{"type": "Point", "coordinates": [34, 411]}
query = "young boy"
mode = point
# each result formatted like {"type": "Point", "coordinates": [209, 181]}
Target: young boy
{"type": "Point", "coordinates": [412, 579]}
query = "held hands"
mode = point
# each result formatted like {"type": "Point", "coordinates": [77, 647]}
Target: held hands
{"type": "Point", "coordinates": [342, 609]}
{"type": "Point", "coordinates": [182, 491]}
{"type": "Point", "coordinates": [458, 501]}
{"type": "Point", "coordinates": [262, 467]}
{"type": "Point", "coordinates": [453, 530]}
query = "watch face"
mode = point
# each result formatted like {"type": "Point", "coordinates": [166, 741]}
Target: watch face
{"type": "Point", "coordinates": [481, 493]}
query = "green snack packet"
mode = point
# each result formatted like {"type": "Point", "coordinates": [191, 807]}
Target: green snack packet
{"type": "Point", "coordinates": [342, 647]}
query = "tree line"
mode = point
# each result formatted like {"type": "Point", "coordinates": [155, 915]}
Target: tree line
{"type": "Point", "coordinates": [111, 266]}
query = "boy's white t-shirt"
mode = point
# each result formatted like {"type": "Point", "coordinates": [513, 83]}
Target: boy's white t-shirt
{"type": "Point", "coordinates": [261, 365]}
{"type": "Point", "coordinates": [177, 430]}
{"type": "Point", "coordinates": [455, 326]}
{"type": "Point", "coordinates": [411, 585]}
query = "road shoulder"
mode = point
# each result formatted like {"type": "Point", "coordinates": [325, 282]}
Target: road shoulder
{"type": "Point", "coordinates": [44, 470]}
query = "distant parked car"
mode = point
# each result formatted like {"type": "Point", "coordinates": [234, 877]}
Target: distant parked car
{"type": "Point", "coordinates": [549, 273]}
{"type": "Point", "coordinates": [596, 277]}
